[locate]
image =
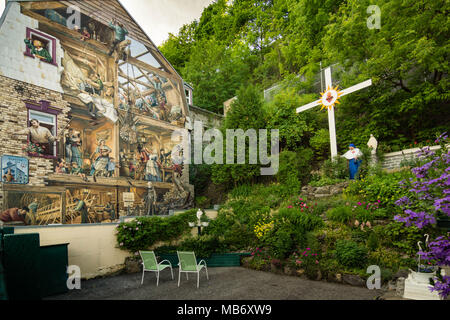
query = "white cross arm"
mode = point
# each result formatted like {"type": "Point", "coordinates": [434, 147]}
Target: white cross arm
{"type": "Point", "coordinates": [308, 106]}
{"type": "Point", "coordinates": [358, 87]}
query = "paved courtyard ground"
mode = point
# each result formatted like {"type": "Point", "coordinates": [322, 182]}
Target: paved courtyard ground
{"type": "Point", "coordinates": [223, 284]}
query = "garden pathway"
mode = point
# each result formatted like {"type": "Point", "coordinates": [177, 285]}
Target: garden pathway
{"type": "Point", "coordinates": [224, 284]}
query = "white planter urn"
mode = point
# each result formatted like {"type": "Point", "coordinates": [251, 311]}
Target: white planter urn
{"type": "Point", "coordinates": [205, 224]}
{"type": "Point", "coordinates": [191, 224]}
{"type": "Point", "coordinates": [417, 286]}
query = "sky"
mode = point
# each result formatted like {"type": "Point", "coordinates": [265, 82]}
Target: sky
{"type": "Point", "coordinates": [158, 18]}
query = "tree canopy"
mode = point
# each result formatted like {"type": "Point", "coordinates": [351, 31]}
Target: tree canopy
{"type": "Point", "coordinates": [242, 42]}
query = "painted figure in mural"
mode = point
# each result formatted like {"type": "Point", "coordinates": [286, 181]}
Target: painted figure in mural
{"type": "Point", "coordinates": [150, 200]}
{"type": "Point", "coordinates": [33, 211]}
{"type": "Point", "coordinates": [85, 35]}
{"type": "Point", "coordinates": [143, 157]}
{"type": "Point", "coordinates": [100, 166]}
{"type": "Point", "coordinates": [73, 147]}
{"type": "Point", "coordinates": [164, 158]}
{"type": "Point", "coordinates": [111, 167]}
{"type": "Point", "coordinates": [9, 177]}
{"type": "Point", "coordinates": [163, 114]}
{"type": "Point", "coordinates": [353, 155]}
{"type": "Point", "coordinates": [152, 169]}
{"type": "Point", "coordinates": [38, 50]}
{"type": "Point", "coordinates": [120, 34]}
{"type": "Point", "coordinates": [81, 208]}
{"type": "Point", "coordinates": [78, 171]}
{"type": "Point", "coordinates": [39, 136]}
{"type": "Point", "coordinates": [95, 84]}
{"type": "Point", "coordinates": [15, 215]}
{"type": "Point", "coordinates": [109, 209]}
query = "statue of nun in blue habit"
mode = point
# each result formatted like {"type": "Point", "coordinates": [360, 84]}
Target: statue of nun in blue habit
{"type": "Point", "coordinates": [353, 155]}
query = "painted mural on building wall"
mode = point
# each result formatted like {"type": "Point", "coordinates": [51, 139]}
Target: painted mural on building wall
{"type": "Point", "coordinates": [125, 102]}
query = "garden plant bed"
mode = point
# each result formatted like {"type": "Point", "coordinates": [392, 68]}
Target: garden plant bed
{"type": "Point", "coordinates": [215, 260]}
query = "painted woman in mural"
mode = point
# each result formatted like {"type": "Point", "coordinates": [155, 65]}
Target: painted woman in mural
{"type": "Point", "coordinates": [152, 170]}
{"type": "Point", "coordinates": [38, 50]}
{"type": "Point", "coordinates": [100, 166]}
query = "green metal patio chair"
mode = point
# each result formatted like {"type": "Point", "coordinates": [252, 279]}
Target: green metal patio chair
{"type": "Point", "coordinates": [149, 263]}
{"type": "Point", "coordinates": [188, 264]}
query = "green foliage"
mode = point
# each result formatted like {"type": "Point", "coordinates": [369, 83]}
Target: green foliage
{"type": "Point", "coordinates": [246, 113]}
{"type": "Point", "coordinates": [342, 214]}
{"type": "Point", "coordinates": [383, 187]}
{"type": "Point", "coordinates": [264, 42]}
{"type": "Point", "coordinates": [335, 169]}
{"type": "Point", "coordinates": [351, 254]}
{"type": "Point", "coordinates": [397, 236]}
{"type": "Point", "coordinates": [142, 233]}
{"type": "Point", "coordinates": [290, 229]}
{"type": "Point", "coordinates": [200, 177]}
{"type": "Point", "coordinates": [202, 202]}
{"type": "Point", "coordinates": [320, 142]}
{"type": "Point", "coordinates": [372, 241]}
{"type": "Point", "coordinates": [203, 246]}
{"type": "Point", "coordinates": [294, 168]}
{"type": "Point", "coordinates": [386, 258]}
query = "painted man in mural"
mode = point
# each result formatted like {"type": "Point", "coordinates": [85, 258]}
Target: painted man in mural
{"type": "Point", "coordinates": [39, 136]}
{"type": "Point", "coordinates": [38, 50]}
{"type": "Point", "coordinates": [81, 208]}
{"type": "Point", "coordinates": [15, 215]}
{"type": "Point", "coordinates": [120, 34]}
{"type": "Point", "coordinates": [144, 157]}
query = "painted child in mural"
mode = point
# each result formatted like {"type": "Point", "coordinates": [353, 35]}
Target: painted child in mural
{"type": "Point", "coordinates": [78, 171]}
{"type": "Point", "coordinates": [100, 165]}
{"type": "Point", "coordinates": [354, 162]}
{"type": "Point", "coordinates": [38, 50]}
{"type": "Point", "coordinates": [120, 34]}
{"type": "Point", "coordinates": [39, 136]}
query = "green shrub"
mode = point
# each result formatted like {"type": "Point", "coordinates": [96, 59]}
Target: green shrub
{"type": "Point", "coordinates": [142, 233]}
{"type": "Point", "coordinates": [202, 202]}
{"type": "Point", "coordinates": [386, 258]}
{"type": "Point", "coordinates": [350, 254]}
{"type": "Point", "coordinates": [383, 187]}
{"type": "Point", "coordinates": [342, 214]}
{"type": "Point", "coordinates": [372, 241]}
{"type": "Point", "coordinates": [395, 235]}
{"type": "Point", "coordinates": [335, 169]}
{"type": "Point", "coordinates": [290, 230]}
{"type": "Point", "coordinates": [203, 246]}
{"type": "Point", "coordinates": [294, 168]}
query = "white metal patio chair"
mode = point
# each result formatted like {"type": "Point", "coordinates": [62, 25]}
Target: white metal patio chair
{"type": "Point", "coordinates": [188, 264]}
{"type": "Point", "coordinates": [149, 263]}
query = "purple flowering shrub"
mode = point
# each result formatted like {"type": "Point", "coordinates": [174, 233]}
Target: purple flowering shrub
{"type": "Point", "coordinates": [429, 200]}
{"type": "Point", "coordinates": [429, 190]}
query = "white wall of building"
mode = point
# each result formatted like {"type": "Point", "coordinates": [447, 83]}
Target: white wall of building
{"type": "Point", "coordinates": [14, 64]}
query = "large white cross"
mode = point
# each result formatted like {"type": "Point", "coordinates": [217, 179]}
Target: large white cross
{"type": "Point", "coordinates": [329, 98]}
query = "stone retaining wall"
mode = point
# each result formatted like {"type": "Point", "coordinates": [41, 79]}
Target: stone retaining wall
{"type": "Point", "coordinates": [393, 160]}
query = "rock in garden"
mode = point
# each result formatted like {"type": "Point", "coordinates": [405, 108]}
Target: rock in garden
{"type": "Point", "coordinates": [353, 280]}
{"type": "Point", "coordinates": [132, 266]}
{"type": "Point", "coordinates": [401, 274]}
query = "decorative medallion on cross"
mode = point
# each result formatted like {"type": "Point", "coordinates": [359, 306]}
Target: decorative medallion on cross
{"type": "Point", "coordinates": [328, 100]}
